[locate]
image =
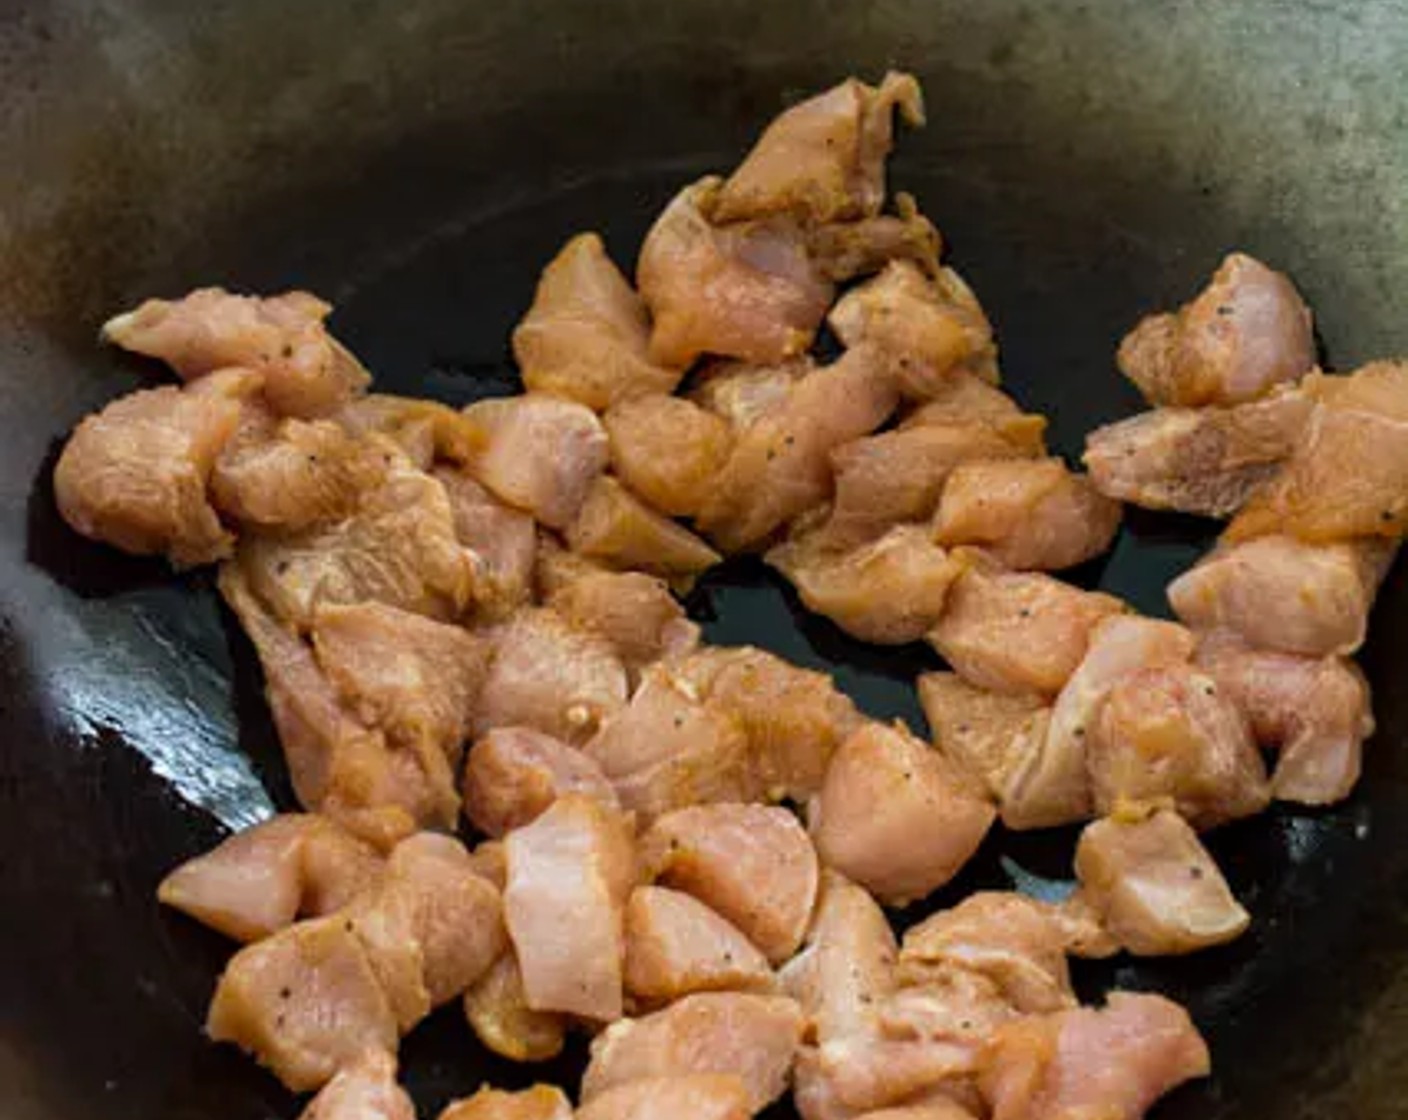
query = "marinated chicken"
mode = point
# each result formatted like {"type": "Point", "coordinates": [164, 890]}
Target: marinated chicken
{"type": "Point", "coordinates": [845, 250]}
{"type": "Point", "coordinates": [676, 945]}
{"type": "Point", "coordinates": [427, 432]}
{"type": "Point", "coordinates": [697, 1096]}
{"type": "Point", "coordinates": [634, 612]}
{"type": "Point", "coordinates": [965, 398]}
{"type": "Point", "coordinates": [365, 1089]}
{"type": "Point", "coordinates": [496, 1007]}
{"type": "Point", "coordinates": [617, 528]}
{"type": "Point", "coordinates": [741, 393]}
{"type": "Point", "coordinates": [668, 450]}
{"type": "Point", "coordinates": [540, 1102]}
{"type": "Point", "coordinates": [513, 774]}
{"type": "Point", "coordinates": [504, 539]}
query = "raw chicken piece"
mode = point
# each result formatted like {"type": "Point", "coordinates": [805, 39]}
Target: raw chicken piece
{"type": "Point", "coordinates": [497, 1009]}
{"type": "Point", "coordinates": [889, 591]}
{"type": "Point", "coordinates": [547, 675]}
{"type": "Point", "coordinates": [306, 371]}
{"type": "Point", "coordinates": [693, 1096]}
{"type": "Point", "coordinates": [844, 250]}
{"type": "Point", "coordinates": [1207, 460]}
{"type": "Point", "coordinates": [895, 815]}
{"type": "Point", "coordinates": [260, 880]}
{"type": "Point", "coordinates": [752, 1037]}
{"type": "Point", "coordinates": [425, 431]}
{"type": "Point", "coordinates": [586, 336]}
{"type": "Point", "coordinates": [304, 1002]}
{"type": "Point", "coordinates": [676, 945]}
{"type": "Point", "coordinates": [541, 1102]}
{"type": "Point", "coordinates": [542, 453]}
{"type": "Point", "coordinates": [1029, 514]}
{"type": "Point", "coordinates": [513, 774]}
{"type": "Point", "coordinates": [489, 861]}
{"type": "Point", "coordinates": [1378, 387]}
{"type": "Point", "coordinates": [667, 750]}
{"type": "Point", "coordinates": [556, 567]}
{"type": "Point", "coordinates": [1154, 885]}
{"type": "Point", "coordinates": [365, 1089]}
{"type": "Point", "coordinates": [780, 465]}
{"type": "Point", "coordinates": [742, 393]}
{"type": "Point", "coordinates": [1169, 732]}
{"type": "Point", "coordinates": [1112, 1062]}
{"type": "Point", "coordinates": [616, 527]}
{"type": "Point", "coordinates": [824, 158]}
{"type": "Point", "coordinates": [569, 874]}
{"type": "Point", "coordinates": [134, 475]}
{"type": "Point", "coordinates": [504, 539]}
{"type": "Point", "coordinates": [1247, 331]}
{"type": "Point", "coordinates": [753, 864]}
{"type": "Point", "coordinates": [748, 290]}
{"type": "Point", "coordinates": [668, 450]}
{"type": "Point", "coordinates": [633, 611]}
{"type": "Point", "coordinates": [1017, 631]}
{"type": "Point", "coordinates": [1283, 594]}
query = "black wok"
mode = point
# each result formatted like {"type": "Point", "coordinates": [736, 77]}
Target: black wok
{"type": "Point", "coordinates": [417, 163]}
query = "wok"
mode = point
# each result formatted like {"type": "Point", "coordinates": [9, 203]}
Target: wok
{"type": "Point", "coordinates": [417, 163]}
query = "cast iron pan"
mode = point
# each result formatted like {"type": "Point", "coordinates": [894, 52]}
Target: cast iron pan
{"type": "Point", "coordinates": [417, 163]}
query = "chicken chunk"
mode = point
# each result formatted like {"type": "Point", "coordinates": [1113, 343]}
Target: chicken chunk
{"type": "Point", "coordinates": [753, 864]}
{"type": "Point", "coordinates": [365, 1089]}
{"type": "Point", "coordinates": [587, 334]}
{"type": "Point", "coordinates": [965, 398]}
{"type": "Point", "coordinates": [1032, 515]}
{"type": "Point", "coordinates": [1154, 885]}
{"type": "Point", "coordinates": [307, 372]}
{"type": "Point", "coordinates": [845, 250]}
{"type": "Point", "coordinates": [676, 945]}
{"type": "Point", "coordinates": [696, 1096]}
{"type": "Point", "coordinates": [503, 538]}
{"type": "Point", "coordinates": [1247, 331]}
{"type": "Point", "coordinates": [633, 611]}
{"type": "Point", "coordinates": [569, 874]}
{"type": "Point", "coordinates": [668, 450]}
{"type": "Point", "coordinates": [616, 527]}
{"type": "Point", "coordinates": [540, 1102]}
{"type": "Point", "coordinates": [427, 432]}
{"type": "Point", "coordinates": [824, 158]}
{"type": "Point", "coordinates": [513, 774]}
{"type": "Point", "coordinates": [896, 816]}
{"type": "Point", "coordinates": [496, 1007]}
{"type": "Point", "coordinates": [741, 393]}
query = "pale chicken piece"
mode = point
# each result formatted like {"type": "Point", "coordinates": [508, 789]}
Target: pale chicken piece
{"type": "Point", "coordinates": [753, 864]}
{"type": "Point", "coordinates": [365, 1089]}
{"type": "Point", "coordinates": [748, 290]}
{"type": "Point", "coordinates": [426, 431]}
{"type": "Point", "coordinates": [676, 945]}
{"type": "Point", "coordinates": [503, 538]}
{"type": "Point", "coordinates": [780, 466]}
{"type": "Point", "coordinates": [1154, 885]}
{"type": "Point", "coordinates": [539, 1102]}
{"type": "Point", "coordinates": [668, 450]}
{"type": "Point", "coordinates": [896, 816]}
{"type": "Point", "coordinates": [306, 371]}
{"type": "Point", "coordinates": [513, 774]}
{"type": "Point", "coordinates": [1205, 461]}
{"type": "Point", "coordinates": [964, 398]}
{"type": "Point", "coordinates": [616, 527]}
{"type": "Point", "coordinates": [824, 158]}
{"type": "Point", "coordinates": [666, 750]}
{"type": "Point", "coordinates": [258, 881]}
{"type": "Point", "coordinates": [1032, 515]}
{"type": "Point", "coordinates": [496, 1007]}
{"type": "Point", "coordinates": [742, 393]}
{"type": "Point", "coordinates": [1112, 1062]}
{"type": "Point", "coordinates": [633, 611]}
{"type": "Point", "coordinates": [1283, 594]}
{"type": "Point", "coordinates": [1313, 712]}
{"type": "Point", "coordinates": [889, 591]}
{"type": "Point", "coordinates": [1169, 732]}
{"type": "Point", "coordinates": [1247, 331]}
{"type": "Point", "coordinates": [548, 675]}
{"type": "Point", "coordinates": [569, 875]}
{"type": "Point", "coordinates": [587, 335]}
{"type": "Point", "coordinates": [844, 250]}
{"type": "Point", "coordinates": [304, 1002]}
{"type": "Point", "coordinates": [1021, 632]}
{"type": "Point", "coordinates": [749, 1036]}
{"type": "Point", "coordinates": [691, 1096]}
{"type": "Point", "coordinates": [135, 474]}
{"type": "Point", "coordinates": [541, 454]}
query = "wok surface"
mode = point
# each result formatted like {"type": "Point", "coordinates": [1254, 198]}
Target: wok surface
{"type": "Point", "coordinates": [417, 163]}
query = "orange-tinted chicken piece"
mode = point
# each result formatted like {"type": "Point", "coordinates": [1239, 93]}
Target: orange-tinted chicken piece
{"type": "Point", "coordinates": [365, 1089]}
{"type": "Point", "coordinates": [965, 398]}
{"type": "Point", "coordinates": [668, 450]}
{"type": "Point", "coordinates": [496, 1007]}
{"type": "Point", "coordinates": [513, 774]}
{"type": "Point", "coordinates": [540, 1102]}
{"type": "Point", "coordinates": [633, 611]}
{"type": "Point", "coordinates": [617, 528]}
{"type": "Point", "coordinates": [696, 1096]}
{"type": "Point", "coordinates": [844, 250]}
{"type": "Point", "coordinates": [741, 393]}
{"type": "Point", "coordinates": [503, 538]}
{"type": "Point", "coordinates": [676, 945]}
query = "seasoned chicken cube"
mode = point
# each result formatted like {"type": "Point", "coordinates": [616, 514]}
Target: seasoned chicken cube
{"type": "Point", "coordinates": [540, 1102]}
{"type": "Point", "coordinates": [896, 816]}
{"type": "Point", "coordinates": [742, 393]}
{"type": "Point", "coordinates": [676, 945]}
{"type": "Point", "coordinates": [1154, 885]}
{"type": "Point", "coordinates": [748, 290]}
{"type": "Point", "coordinates": [1245, 332]}
{"type": "Point", "coordinates": [304, 1002]}
{"type": "Point", "coordinates": [1016, 631]}
{"type": "Point", "coordinates": [695, 1096]}
{"type": "Point", "coordinates": [616, 527]}
{"type": "Point", "coordinates": [365, 1089]}
{"type": "Point", "coordinates": [1114, 1061]}
{"type": "Point", "coordinates": [503, 538]}
{"type": "Point", "coordinates": [542, 453]}
{"type": "Point", "coordinates": [668, 450]}
{"type": "Point", "coordinates": [1033, 515]}
{"type": "Point", "coordinates": [753, 864]}
{"type": "Point", "coordinates": [496, 1007]}
{"type": "Point", "coordinates": [1169, 732]}
{"type": "Point", "coordinates": [844, 250]}
{"type": "Point", "coordinates": [633, 611]}
{"type": "Point", "coordinates": [427, 432]}
{"type": "Point", "coordinates": [824, 158]}
{"type": "Point", "coordinates": [1206, 460]}
{"type": "Point", "coordinates": [569, 874]}
{"type": "Point", "coordinates": [964, 398]}
{"type": "Point", "coordinates": [547, 675]}
{"type": "Point", "coordinates": [306, 371]}
{"type": "Point", "coordinates": [889, 591]}
{"type": "Point", "coordinates": [513, 774]}
{"type": "Point", "coordinates": [587, 334]}
{"type": "Point", "coordinates": [135, 474]}
{"type": "Point", "coordinates": [751, 1037]}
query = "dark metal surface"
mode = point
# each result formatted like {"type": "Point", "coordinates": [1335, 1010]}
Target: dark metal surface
{"type": "Point", "coordinates": [417, 163]}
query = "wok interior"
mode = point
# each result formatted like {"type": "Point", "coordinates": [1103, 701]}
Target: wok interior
{"type": "Point", "coordinates": [417, 164]}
